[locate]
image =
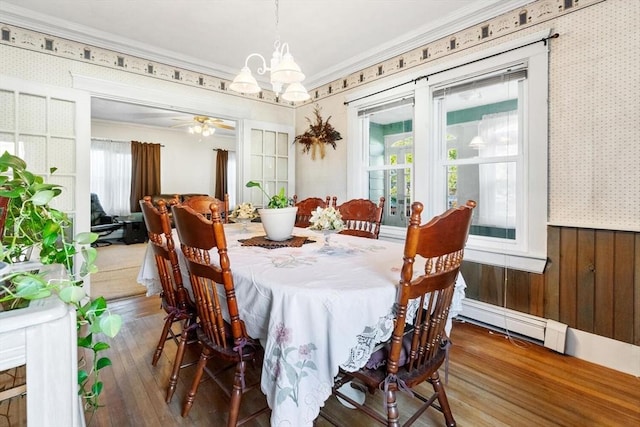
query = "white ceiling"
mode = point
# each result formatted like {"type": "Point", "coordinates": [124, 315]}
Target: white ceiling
{"type": "Point", "coordinates": [329, 39]}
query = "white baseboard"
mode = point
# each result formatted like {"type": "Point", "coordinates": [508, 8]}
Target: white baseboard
{"type": "Point", "coordinates": [618, 355]}
{"type": "Point", "coordinates": [593, 348]}
{"type": "Point", "coordinates": [504, 318]}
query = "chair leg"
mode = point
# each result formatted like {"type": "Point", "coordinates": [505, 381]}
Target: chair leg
{"type": "Point", "coordinates": [177, 363]}
{"type": "Point", "coordinates": [163, 339]}
{"type": "Point", "coordinates": [236, 395]}
{"type": "Point", "coordinates": [393, 419]}
{"type": "Point", "coordinates": [442, 399]}
{"type": "Point", "coordinates": [188, 400]}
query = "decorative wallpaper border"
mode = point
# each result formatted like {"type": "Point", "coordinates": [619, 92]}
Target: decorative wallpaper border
{"type": "Point", "coordinates": [507, 23]}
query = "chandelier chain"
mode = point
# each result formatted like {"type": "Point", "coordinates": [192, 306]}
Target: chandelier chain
{"type": "Point", "coordinates": [277, 19]}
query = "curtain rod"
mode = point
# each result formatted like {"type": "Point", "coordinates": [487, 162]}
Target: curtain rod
{"type": "Point", "coordinates": [123, 141]}
{"type": "Point", "coordinates": [426, 76]}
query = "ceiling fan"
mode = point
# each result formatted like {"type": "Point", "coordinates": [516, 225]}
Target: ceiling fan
{"type": "Point", "coordinates": [204, 125]}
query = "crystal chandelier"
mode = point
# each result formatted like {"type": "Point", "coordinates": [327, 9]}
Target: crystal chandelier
{"type": "Point", "coordinates": [283, 69]}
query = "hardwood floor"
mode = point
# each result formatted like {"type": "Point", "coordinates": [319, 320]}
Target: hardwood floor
{"type": "Point", "coordinates": [493, 381]}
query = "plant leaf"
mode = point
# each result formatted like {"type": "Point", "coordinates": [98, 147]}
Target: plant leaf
{"type": "Point", "coordinates": [82, 376]}
{"type": "Point", "coordinates": [41, 198]}
{"type": "Point", "coordinates": [103, 362]}
{"type": "Point", "coordinates": [85, 342]}
{"type": "Point", "coordinates": [72, 294]}
{"type": "Point", "coordinates": [111, 325]}
{"type": "Point", "coordinates": [101, 346]}
{"type": "Point", "coordinates": [97, 388]}
{"type": "Point", "coordinates": [86, 238]}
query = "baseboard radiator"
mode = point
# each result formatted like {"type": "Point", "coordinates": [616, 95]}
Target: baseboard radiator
{"type": "Point", "coordinates": [549, 332]}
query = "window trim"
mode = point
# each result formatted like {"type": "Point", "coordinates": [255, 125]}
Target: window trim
{"type": "Point", "coordinates": [533, 257]}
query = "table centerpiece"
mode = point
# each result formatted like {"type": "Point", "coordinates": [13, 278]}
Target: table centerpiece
{"type": "Point", "coordinates": [327, 220]}
{"type": "Point", "coordinates": [243, 213]}
{"type": "Point", "coordinates": [278, 217]}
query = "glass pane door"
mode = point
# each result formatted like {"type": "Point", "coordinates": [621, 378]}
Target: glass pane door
{"type": "Point", "coordinates": [268, 159]}
{"type": "Point", "coordinates": [388, 135]}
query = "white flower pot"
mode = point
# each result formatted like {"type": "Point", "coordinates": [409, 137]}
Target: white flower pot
{"type": "Point", "coordinates": [278, 223]}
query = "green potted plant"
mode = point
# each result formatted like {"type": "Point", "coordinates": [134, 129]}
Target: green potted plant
{"type": "Point", "coordinates": [34, 233]}
{"type": "Point", "coordinates": [278, 218]}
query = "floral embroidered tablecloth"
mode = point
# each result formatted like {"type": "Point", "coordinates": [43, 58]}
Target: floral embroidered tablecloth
{"type": "Point", "coordinates": [314, 310]}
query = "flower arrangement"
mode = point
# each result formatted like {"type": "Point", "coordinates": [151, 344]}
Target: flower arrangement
{"type": "Point", "coordinates": [319, 133]}
{"type": "Point", "coordinates": [244, 211]}
{"type": "Point", "coordinates": [326, 219]}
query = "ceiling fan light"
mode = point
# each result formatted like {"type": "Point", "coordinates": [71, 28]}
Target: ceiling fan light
{"type": "Point", "coordinates": [287, 71]}
{"type": "Point", "coordinates": [295, 93]}
{"type": "Point", "coordinates": [245, 82]}
{"type": "Point", "coordinates": [477, 142]}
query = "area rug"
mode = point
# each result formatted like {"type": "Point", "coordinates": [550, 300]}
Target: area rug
{"type": "Point", "coordinates": [118, 266]}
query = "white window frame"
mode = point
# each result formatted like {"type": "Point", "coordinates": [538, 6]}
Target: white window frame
{"type": "Point", "coordinates": [530, 253]}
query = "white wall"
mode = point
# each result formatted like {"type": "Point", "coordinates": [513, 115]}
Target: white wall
{"type": "Point", "coordinates": [594, 87]}
{"type": "Point", "coordinates": [187, 161]}
{"type": "Point", "coordinates": [328, 176]}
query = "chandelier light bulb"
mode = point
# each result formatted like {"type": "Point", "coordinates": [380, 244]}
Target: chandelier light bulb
{"type": "Point", "coordinates": [283, 70]}
{"type": "Point", "coordinates": [245, 82]}
{"type": "Point", "coordinates": [287, 71]}
{"type": "Point", "coordinates": [295, 93]}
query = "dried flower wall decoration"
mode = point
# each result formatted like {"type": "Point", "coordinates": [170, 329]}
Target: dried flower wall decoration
{"type": "Point", "coordinates": [319, 133]}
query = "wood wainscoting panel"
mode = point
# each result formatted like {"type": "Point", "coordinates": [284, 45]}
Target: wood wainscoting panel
{"type": "Point", "coordinates": [591, 283]}
{"type": "Point", "coordinates": [623, 287]}
{"type": "Point", "coordinates": [585, 292]}
{"type": "Point", "coordinates": [636, 287]}
{"type": "Point", "coordinates": [603, 316]}
{"type": "Point", "coordinates": [568, 276]}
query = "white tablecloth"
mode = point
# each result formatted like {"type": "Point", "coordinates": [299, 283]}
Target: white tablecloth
{"type": "Point", "coordinates": [313, 310]}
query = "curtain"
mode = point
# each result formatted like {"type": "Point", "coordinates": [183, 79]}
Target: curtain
{"type": "Point", "coordinates": [111, 175]}
{"type": "Point", "coordinates": [221, 174]}
{"type": "Point", "coordinates": [145, 172]}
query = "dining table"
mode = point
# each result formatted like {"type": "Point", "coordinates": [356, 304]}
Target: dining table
{"type": "Point", "coordinates": [317, 307]}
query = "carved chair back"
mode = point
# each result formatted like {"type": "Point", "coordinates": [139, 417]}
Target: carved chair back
{"type": "Point", "coordinates": [198, 237]}
{"type": "Point", "coordinates": [436, 247]}
{"type": "Point", "coordinates": [201, 205]}
{"type": "Point", "coordinates": [158, 224]}
{"type": "Point", "coordinates": [307, 206]}
{"type": "Point", "coordinates": [212, 283]}
{"type": "Point", "coordinates": [418, 344]}
{"type": "Point", "coordinates": [362, 217]}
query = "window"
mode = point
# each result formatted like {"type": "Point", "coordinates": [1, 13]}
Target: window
{"type": "Point", "coordinates": [478, 131]}
{"type": "Point", "coordinates": [477, 123]}
{"type": "Point", "coordinates": [111, 175]}
{"type": "Point", "coordinates": [389, 139]}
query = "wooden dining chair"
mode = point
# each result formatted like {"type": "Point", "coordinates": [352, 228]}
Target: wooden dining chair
{"type": "Point", "coordinates": [201, 205]}
{"type": "Point", "coordinates": [417, 347]}
{"type": "Point", "coordinates": [174, 297]}
{"type": "Point", "coordinates": [362, 217]}
{"type": "Point", "coordinates": [307, 206]}
{"type": "Point", "coordinates": [223, 339]}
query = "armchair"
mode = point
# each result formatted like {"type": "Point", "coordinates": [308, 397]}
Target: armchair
{"type": "Point", "coordinates": [101, 223]}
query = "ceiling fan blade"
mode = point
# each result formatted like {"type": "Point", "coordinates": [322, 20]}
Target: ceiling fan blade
{"type": "Point", "coordinates": [223, 126]}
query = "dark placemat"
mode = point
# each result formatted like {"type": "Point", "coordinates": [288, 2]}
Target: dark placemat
{"type": "Point", "coordinates": [262, 241]}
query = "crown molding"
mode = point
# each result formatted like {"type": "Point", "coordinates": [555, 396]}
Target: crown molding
{"type": "Point", "coordinates": [462, 19]}
{"type": "Point", "coordinates": [34, 21]}
{"type": "Point", "coordinates": [476, 13]}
